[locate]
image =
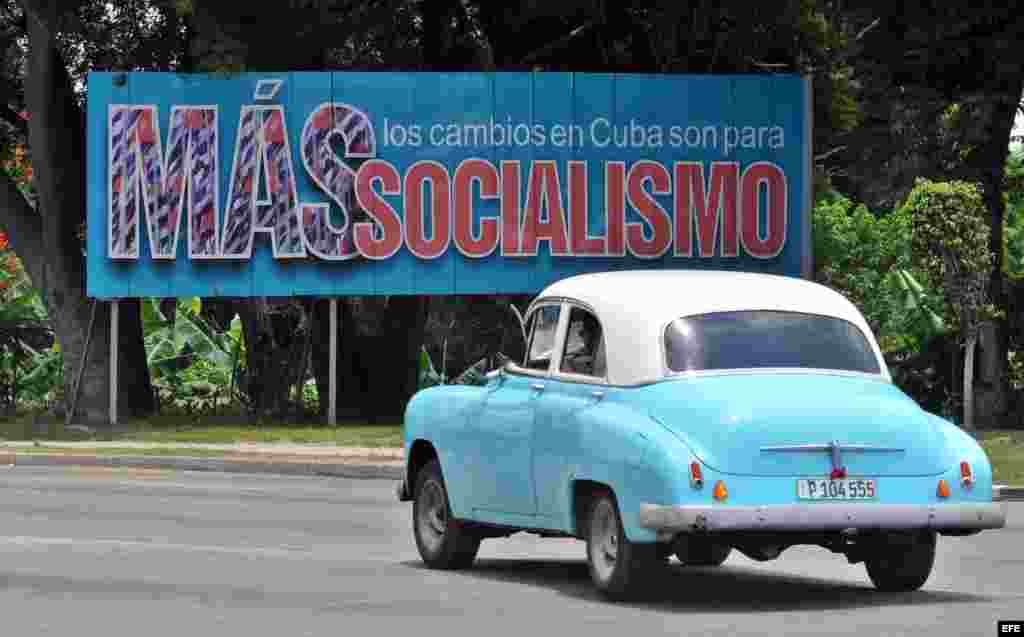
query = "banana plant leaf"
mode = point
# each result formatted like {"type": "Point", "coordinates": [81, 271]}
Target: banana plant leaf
{"type": "Point", "coordinates": [428, 374]}
{"type": "Point", "coordinates": [914, 298]}
{"type": "Point", "coordinates": [474, 374]}
{"type": "Point", "coordinates": [23, 326]}
{"type": "Point", "coordinates": [45, 372]}
{"type": "Point", "coordinates": [185, 337]}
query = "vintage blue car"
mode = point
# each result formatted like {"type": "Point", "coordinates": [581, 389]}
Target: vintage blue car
{"type": "Point", "coordinates": [692, 413]}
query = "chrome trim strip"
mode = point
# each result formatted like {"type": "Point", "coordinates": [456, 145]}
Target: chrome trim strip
{"type": "Point", "coordinates": [829, 447]}
{"type": "Point", "coordinates": [823, 516]}
{"type": "Point", "coordinates": [517, 369]}
{"type": "Point", "coordinates": [578, 379]}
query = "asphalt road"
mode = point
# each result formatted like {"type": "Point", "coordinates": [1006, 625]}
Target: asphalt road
{"type": "Point", "coordinates": [126, 552]}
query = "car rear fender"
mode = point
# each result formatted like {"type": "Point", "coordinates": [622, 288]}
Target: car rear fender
{"type": "Point", "coordinates": [627, 498]}
{"type": "Point", "coordinates": [964, 447]}
{"type": "Point", "coordinates": [617, 449]}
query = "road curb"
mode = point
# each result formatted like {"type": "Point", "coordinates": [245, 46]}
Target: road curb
{"type": "Point", "coordinates": [319, 453]}
{"type": "Point", "coordinates": [1005, 493]}
{"type": "Point", "coordinates": [366, 471]}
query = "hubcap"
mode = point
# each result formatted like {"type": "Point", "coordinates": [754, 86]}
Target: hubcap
{"type": "Point", "coordinates": [432, 521]}
{"type": "Point", "coordinates": [604, 537]}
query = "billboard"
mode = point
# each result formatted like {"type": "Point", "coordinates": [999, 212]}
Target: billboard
{"type": "Point", "coordinates": [330, 184]}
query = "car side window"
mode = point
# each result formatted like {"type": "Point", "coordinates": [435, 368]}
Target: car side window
{"type": "Point", "coordinates": [584, 351]}
{"type": "Point", "coordinates": [542, 340]}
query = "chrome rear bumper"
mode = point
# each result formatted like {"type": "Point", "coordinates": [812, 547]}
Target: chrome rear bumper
{"type": "Point", "coordinates": [823, 516]}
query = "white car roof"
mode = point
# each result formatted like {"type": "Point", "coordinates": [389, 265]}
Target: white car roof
{"type": "Point", "coordinates": [633, 307]}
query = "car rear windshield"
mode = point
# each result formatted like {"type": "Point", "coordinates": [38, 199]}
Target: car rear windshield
{"type": "Point", "coordinates": [762, 338]}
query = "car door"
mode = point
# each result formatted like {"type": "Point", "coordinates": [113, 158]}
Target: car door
{"type": "Point", "coordinates": [503, 480]}
{"type": "Point", "coordinates": [577, 384]}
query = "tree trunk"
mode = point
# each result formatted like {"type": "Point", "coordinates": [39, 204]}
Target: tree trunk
{"type": "Point", "coordinates": [49, 244]}
{"type": "Point", "coordinates": [991, 400]}
{"type": "Point", "coordinates": [378, 374]}
{"type": "Point", "coordinates": [321, 355]}
{"type": "Point", "coordinates": [355, 352]}
{"type": "Point", "coordinates": [397, 374]}
{"type": "Point", "coordinates": [969, 350]}
{"type": "Point", "coordinates": [995, 383]}
{"type": "Point", "coordinates": [218, 42]}
{"type": "Point", "coordinates": [275, 340]}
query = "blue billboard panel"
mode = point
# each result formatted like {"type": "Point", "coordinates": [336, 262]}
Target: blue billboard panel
{"type": "Point", "coordinates": [331, 184]}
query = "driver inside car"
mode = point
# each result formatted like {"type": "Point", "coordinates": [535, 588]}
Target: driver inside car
{"type": "Point", "coordinates": [581, 355]}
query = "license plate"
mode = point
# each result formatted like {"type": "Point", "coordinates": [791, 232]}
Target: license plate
{"type": "Point", "coordinates": [844, 489]}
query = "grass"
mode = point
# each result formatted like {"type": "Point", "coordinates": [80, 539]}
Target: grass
{"type": "Point", "coordinates": [171, 429]}
{"type": "Point", "coordinates": [347, 436]}
{"type": "Point", "coordinates": [1006, 451]}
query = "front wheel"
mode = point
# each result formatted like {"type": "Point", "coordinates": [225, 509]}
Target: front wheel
{"type": "Point", "coordinates": [442, 542]}
{"type": "Point", "coordinates": [901, 562]}
{"type": "Point", "coordinates": [616, 564]}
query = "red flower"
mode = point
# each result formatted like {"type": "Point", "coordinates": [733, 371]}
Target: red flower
{"type": "Point", "coordinates": [4, 243]}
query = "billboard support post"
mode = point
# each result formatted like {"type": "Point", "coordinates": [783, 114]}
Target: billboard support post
{"type": "Point", "coordinates": [332, 405]}
{"type": "Point", "coordinates": [113, 360]}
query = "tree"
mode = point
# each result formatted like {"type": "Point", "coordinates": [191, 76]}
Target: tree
{"type": "Point", "coordinates": [938, 86]}
{"type": "Point", "coordinates": [867, 257]}
{"type": "Point", "coordinates": [898, 91]}
{"type": "Point", "coordinates": [380, 339]}
{"type": "Point", "coordinates": [49, 47]}
{"type": "Point", "coordinates": [950, 242]}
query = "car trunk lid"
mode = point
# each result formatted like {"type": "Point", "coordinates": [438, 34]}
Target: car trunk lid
{"type": "Point", "coordinates": [784, 424]}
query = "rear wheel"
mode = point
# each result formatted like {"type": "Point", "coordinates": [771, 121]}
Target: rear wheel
{"type": "Point", "coordinates": [616, 564]}
{"type": "Point", "coordinates": [901, 562]}
{"type": "Point", "coordinates": [442, 542]}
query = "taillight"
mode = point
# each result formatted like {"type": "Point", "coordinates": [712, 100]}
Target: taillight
{"type": "Point", "coordinates": [720, 493]}
{"type": "Point", "coordinates": [696, 477]}
{"type": "Point", "coordinates": [943, 490]}
{"type": "Point", "coordinates": [966, 478]}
